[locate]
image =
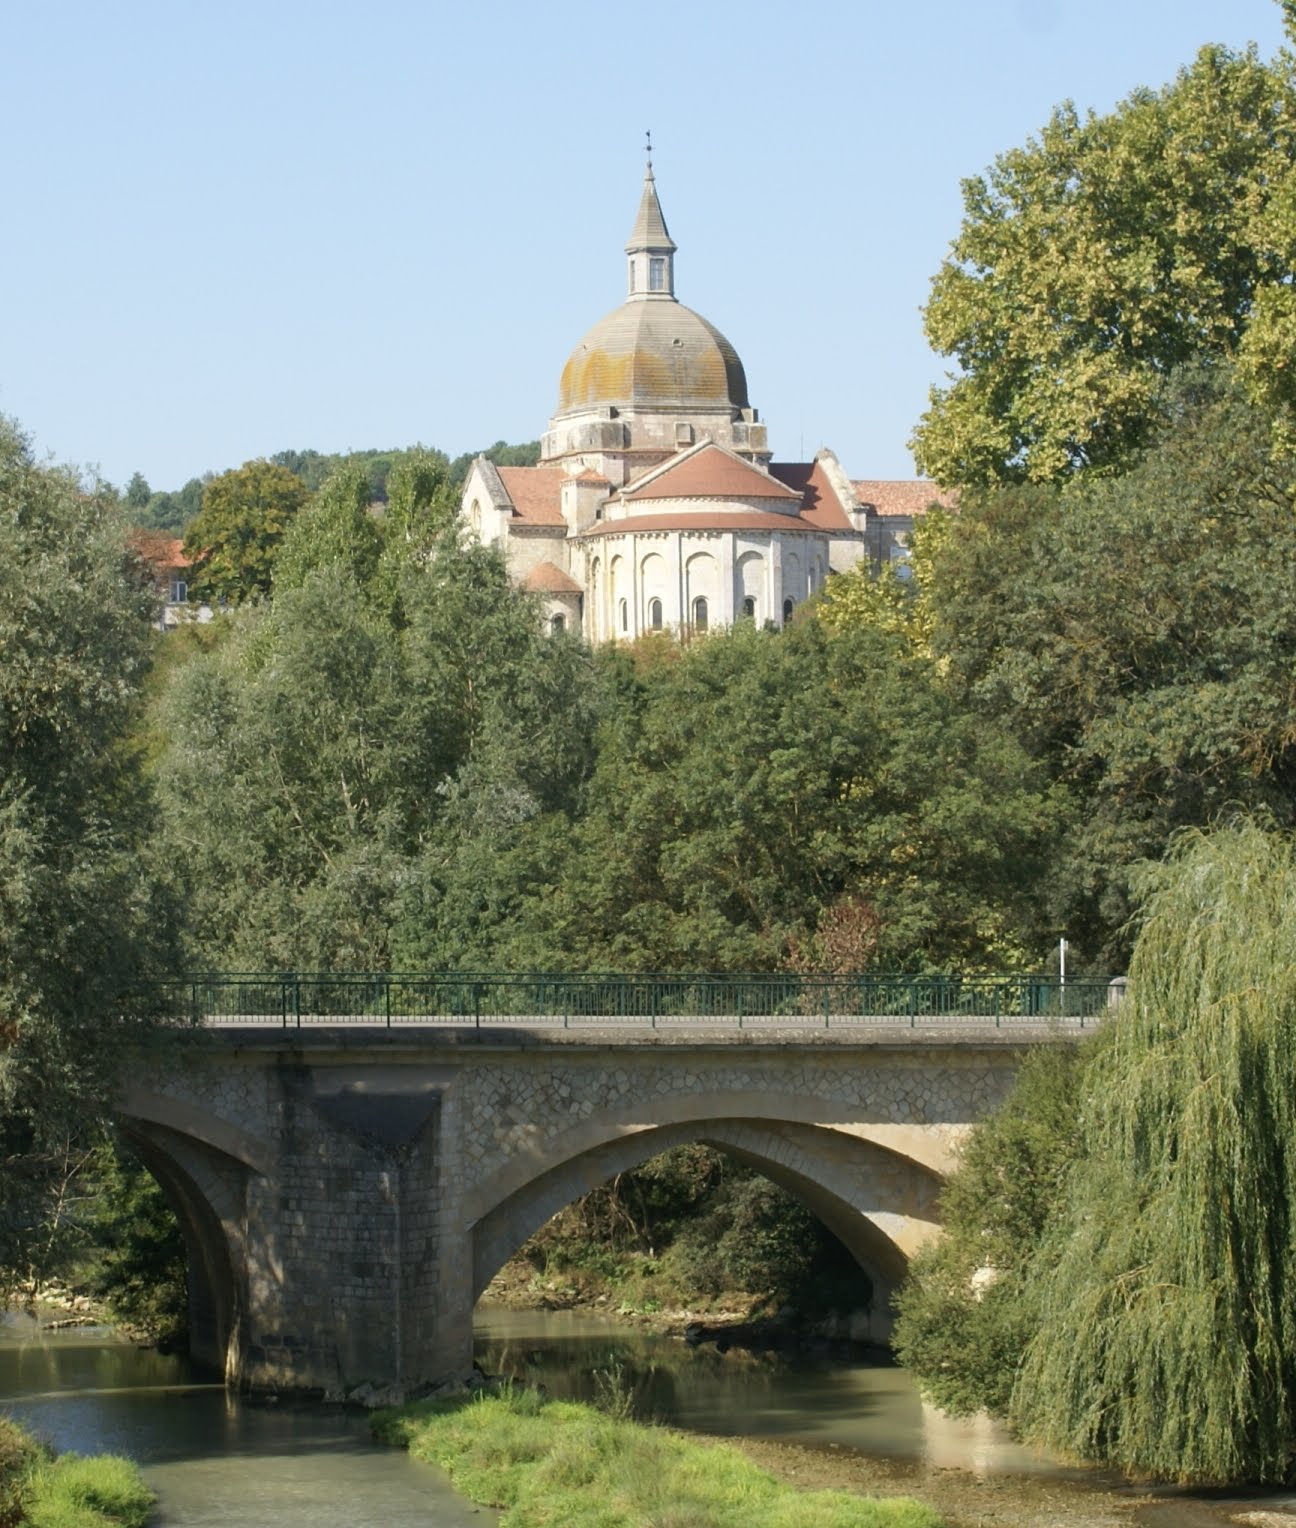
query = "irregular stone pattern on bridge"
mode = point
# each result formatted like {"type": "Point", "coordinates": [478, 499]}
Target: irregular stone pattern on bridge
{"type": "Point", "coordinates": [346, 1196]}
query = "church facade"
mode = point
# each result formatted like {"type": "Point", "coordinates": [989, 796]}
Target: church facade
{"type": "Point", "coordinates": [655, 505]}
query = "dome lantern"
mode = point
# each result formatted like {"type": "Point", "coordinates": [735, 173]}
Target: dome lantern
{"type": "Point", "coordinates": [650, 249]}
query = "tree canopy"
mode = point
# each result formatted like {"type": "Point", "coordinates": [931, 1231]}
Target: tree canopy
{"type": "Point", "coordinates": [233, 542]}
{"type": "Point", "coordinates": [1166, 1289]}
{"type": "Point", "coordinates": [81, 914]}
{"type": "Point", "coordinates": [1137, 634]}
{"type": "Point", "coordinates": [1102, 255]}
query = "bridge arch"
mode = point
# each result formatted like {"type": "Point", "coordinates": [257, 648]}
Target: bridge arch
{"type": "Point", "coordinates": [878, 1203]}
{"type": "Point", "coordinates": [201, 1164]}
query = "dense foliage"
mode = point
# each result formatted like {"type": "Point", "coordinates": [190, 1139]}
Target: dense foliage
{"type": "Point", "coordinates": [173, 511]}
{"type": "Point", "coordinates": [965, 1316]}
{"type": "Point", "coordinates": [447, 787]}
{"type": "Point", "coordinates": [1137, 636]}
{"type": "Point", "coordinates": [691, 1226]}
{"type": "Point", "coordinates": [233, 542]}
{"type": "Point", "coordinates": [1119, 1271]}
{"type": "Point", "coordinates": [81, 918]}
{"type": "Point", "coordinates": [1103, 255]}
{"type": "Point", "coordinates": [1171, 1270]}
{"type": "Point", "coordinates": [131, 1254]}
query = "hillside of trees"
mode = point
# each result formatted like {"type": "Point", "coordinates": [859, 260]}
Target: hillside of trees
{"type": "Point", "coordinates": [174, 510]}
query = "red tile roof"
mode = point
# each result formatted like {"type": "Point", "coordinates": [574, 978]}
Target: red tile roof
{"type": "Point", "coordinates": [819, 502]}
{"type": "Point", "coordinates": [902, 496]}
{"type": "Point", "coordinates": [162, 552]}
{"type": "Point", "coordinates": [545, 578]}
{"type": "Point", "coordinates": [535, 493]}
{"type": "Point", "coordinates": [708, 473]}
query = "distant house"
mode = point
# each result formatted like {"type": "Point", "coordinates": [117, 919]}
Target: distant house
{"type": "Point", "coordinates": [655, 504]}
{"type": "Point", "coordinates": [168, 567]}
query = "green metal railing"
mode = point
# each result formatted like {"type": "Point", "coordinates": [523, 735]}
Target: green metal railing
{"type": "Point", "coordinates": [540, 999]}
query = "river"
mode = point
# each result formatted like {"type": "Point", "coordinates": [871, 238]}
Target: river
{"type": "Point", "coordinates": [215, 1459]}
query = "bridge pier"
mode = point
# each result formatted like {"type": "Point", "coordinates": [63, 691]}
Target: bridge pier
{"type": "Point", "coordinates": [346, 1196]}
{"type": "Point", "coordinates": [345, 1279]}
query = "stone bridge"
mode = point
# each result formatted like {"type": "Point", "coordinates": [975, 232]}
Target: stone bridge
{"type": "Point", "coordinates": [346, 1194]}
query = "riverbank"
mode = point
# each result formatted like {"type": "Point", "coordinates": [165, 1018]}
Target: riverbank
{"type": "Point", "coordinates": [560, 1461]}
{"type": "Point", "coordinates": [733, 1318]}
{"type": "Point", "coordinates": [849, 1425]}
{"type": "Point", "coordinates": [38, 1490]}
{"type": "Point", "coordinates": [968, 1500]}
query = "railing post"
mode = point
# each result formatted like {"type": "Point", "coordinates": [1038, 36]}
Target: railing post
{"type": "Point", "coordinates": [477, 1004]}
{"type": "Point", "coordinates": [297, 999]}
{"type": "Point", "coordinates": [387, 998]}
{"type": "Point", "coordinates": [913, 1004]}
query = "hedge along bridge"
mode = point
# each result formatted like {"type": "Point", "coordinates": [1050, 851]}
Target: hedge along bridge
{"type": "Point", "coordinates": [353, 1157]}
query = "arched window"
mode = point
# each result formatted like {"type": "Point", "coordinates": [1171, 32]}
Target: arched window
{"type": "Point", "coordinates": [625, 616]}
{"type": "Point", "coordinates": [699, 614]}
{"type": "Point", "coordinates": [557, 623]}
{"type": "Point", "coordinates": [749, 608]}
{"type": "Point", "coordinates": [655, 614]}
{"type": "Point", "coordinates": [787, 611]}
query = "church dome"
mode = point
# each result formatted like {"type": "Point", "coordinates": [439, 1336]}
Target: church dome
{"type": "Point", "coordinates": [653, 355]}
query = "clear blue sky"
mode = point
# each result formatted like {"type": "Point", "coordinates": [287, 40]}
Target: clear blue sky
{"type": "Point", "coordinates": [234, 228]}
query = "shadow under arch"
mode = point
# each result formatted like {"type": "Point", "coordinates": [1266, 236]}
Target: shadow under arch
{"type": "Point", "coordinates": [209, 1222]}
{"type": "Point", "coordinates": [879, 1204]}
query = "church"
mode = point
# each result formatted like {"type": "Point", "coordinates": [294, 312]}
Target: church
{"type": "Point", "coordinates": [655, 505]}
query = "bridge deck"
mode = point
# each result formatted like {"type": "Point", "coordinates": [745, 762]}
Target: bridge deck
{"type": "Point", "coordinates": [345, 1032]}
{"type": "Point", "coordinates": [633, 1003]}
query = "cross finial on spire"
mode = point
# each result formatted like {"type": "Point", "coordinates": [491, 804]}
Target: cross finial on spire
{"type": "Point", "coordinates": [648, 143]}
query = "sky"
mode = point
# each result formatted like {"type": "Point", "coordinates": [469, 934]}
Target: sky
{"type": "Point", "coordinates": [237, 228]}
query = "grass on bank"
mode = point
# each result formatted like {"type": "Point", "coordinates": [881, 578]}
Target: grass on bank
{"type": "Point", "coordinates": [40, 1491]}
{"type": "Point", "coordinates": [559, 1464]}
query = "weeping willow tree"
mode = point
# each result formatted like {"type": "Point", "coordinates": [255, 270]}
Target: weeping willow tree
{"type": "Point", "coordinates": [1166, 1289]}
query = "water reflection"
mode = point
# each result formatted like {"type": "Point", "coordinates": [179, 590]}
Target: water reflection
{"type": "Point", "coordinates": [871, 1407]}
{"type": "Point", "coordinates": [212, 1458]}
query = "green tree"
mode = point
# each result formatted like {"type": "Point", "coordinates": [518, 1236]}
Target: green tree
{"type": "Point", "coordinates": [898, 598]}
{"type": "Point", "coordinates": [1166, 1289]}
{"type": "Point", "coordinates": [234, 540]}
{"type": "Point", "coordinates": [965, 1316]}
{"type": "Point", "coordinates": [1102, 255]}
{"type": "Point", "coordinates": [1137, 635]}
{"type": "Point", "coordinates": [308, 761]}
{"type": "Point", "coordinates": [749, 786]}
{"type": "Point", "coordinates": [337, 528]}
{"type": "Point", "coordinates": [172, 511]}
{"type": "Point", "coordinates": [524, 454]}
{"type": "Point", "coordinates": [138, 492]}
{"type": "Point", "coordinates": [136, 1252]}
{"type": "Point", "coordinates": [80, 919]}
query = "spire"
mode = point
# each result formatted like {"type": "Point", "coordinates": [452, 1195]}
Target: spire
{"type": "Point", "coordinates": [650, 247]}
